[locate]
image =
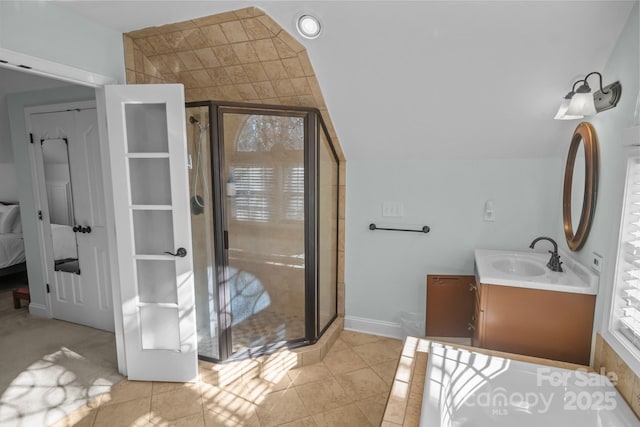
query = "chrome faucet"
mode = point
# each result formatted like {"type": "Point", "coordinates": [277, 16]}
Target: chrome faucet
{"type": "Point", "coordinates": [554, 263]}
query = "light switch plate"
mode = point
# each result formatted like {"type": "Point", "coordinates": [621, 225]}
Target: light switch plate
{"type": "Point", "coordinates": [392, 209]}
{"type": "Point", "coordinates": [489, 211]}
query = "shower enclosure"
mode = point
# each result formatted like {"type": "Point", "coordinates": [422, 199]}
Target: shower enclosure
{"type": "Point", "coordinates": [264, 212]}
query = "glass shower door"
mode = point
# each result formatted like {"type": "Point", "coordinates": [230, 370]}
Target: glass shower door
{"type": "Point", "coordinates": [327, 223]}
{"type": "Point", "coordinates": [263, 183]}
{"type": "Point", "coordinates": [201, 204]}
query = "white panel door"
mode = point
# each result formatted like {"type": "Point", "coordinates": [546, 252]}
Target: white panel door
{"type": "Point", "coordinates": [83, 297]}
{"type": "Point", "coordinates": [148, 157]}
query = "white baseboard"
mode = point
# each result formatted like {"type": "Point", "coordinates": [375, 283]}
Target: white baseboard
{"type": "Point", "coordinates": [374, 327]}
{"type": "Point", "coordinates": [39, 310]}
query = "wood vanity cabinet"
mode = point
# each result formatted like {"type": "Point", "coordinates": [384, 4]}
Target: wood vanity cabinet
{"type": "Point", "coordinates": [450, 302]}
{"type": "Point", "coordinates": [534, 322]}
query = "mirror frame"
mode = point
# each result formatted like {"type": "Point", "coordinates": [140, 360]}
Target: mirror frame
{"type": "Point", "coordinates": [67, 266]}
{"type": "Point", "coordinates": [586, 134]}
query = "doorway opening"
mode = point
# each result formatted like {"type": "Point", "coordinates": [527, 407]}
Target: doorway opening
{"type": "Point", "coordinates": [264, 213]}
{"type": "Point", "coordinates": [57, 349]}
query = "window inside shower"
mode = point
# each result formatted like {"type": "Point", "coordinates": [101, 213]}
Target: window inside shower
{"type": "Point", "coordinates": [264, 201]}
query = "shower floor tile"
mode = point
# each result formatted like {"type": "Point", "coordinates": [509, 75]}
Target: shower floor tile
{"type": "Point", "coordinates": [258, 330]}
{"type": "Point", "coordinates": [266, 327]}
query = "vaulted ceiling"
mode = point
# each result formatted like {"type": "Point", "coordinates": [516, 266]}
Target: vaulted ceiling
{"type": "Point", "coordinates": [236, 56]}
{"type": "Point", "coordinates": [430, 79]}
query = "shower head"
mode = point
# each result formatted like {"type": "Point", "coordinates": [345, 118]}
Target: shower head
{"type": "Point", "coordinates": [193, 120]}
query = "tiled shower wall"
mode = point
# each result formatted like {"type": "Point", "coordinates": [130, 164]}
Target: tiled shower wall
{"type": "Point", "coordinates": [239, 56]}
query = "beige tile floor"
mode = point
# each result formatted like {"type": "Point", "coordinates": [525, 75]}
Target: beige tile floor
{"type": "Point", "coordinates": [348, 388]}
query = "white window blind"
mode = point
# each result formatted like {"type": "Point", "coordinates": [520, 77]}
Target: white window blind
{"type": "Point", "coordinates": [257, 198]}
{"type": "Point", "coordinates": [293, 191]}
{"type": "Point", "coordinates": [254, 193]}
{"type": "Point", "coordinates": [626, 310]}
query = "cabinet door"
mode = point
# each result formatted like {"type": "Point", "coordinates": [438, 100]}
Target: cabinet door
{"type": "Point", "coordinates": [548, 324]}
{"type": "Point", "coordinates": [148, 152]}
{"type": "Point", "coordinates": [450, 306]}
{"type": "Point", "coordinates": [478, 317]}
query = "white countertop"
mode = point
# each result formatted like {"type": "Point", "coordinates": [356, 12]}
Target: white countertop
{"type": "Point", "coordinates": [576, 278]}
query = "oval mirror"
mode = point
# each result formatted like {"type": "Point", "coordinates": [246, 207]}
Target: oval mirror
{"type": "Point", "coordinates": [580, 185]}
{"type": "Point", "coordinates": [577, 185]}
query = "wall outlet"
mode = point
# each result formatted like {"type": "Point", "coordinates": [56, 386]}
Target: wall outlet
{"type": "Point", "coordinates": [392, 209]}
{"type": "Point", "coordinates": [596, 262]}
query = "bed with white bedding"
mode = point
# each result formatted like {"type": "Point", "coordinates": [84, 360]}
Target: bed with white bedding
{"type": "Point", "coordinates": [11, 249]}
{"type": "Point", "coordinates": [12, 256]}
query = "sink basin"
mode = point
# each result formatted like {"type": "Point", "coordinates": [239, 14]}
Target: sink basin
{"type": "Point", "coordinates": [528, 269]}
{"type": "Point", "coordinates": [518, 267]}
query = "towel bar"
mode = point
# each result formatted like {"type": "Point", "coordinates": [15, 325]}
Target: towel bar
{"type": "Point", "coordinates": [424, 229]}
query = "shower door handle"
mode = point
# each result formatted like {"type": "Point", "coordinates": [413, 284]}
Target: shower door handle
{"type": "Point", "coordinates": [181, 252]}
{"type": "Point", "coordinates": [226, 239]}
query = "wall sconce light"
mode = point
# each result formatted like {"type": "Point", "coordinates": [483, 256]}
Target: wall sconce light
{"type": "Point", "coordinates": [581, 102]}
{"type": "Point", "coordinates": [564, 105]}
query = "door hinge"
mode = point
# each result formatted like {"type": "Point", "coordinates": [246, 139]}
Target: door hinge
{"type": "Point", "coordinates": [40, 215]}
{"type": "Point", "coordinates": [48, 289]}
{"type": "Point", "coordinates": [31, 138]}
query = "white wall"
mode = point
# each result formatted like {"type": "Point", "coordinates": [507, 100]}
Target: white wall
{"type": "Point", "coordinates": [6, 152]}
{"type": "Point", "coordinates": [44, 30]}
{"type": "Point", "coordinates": [386, 271]}
{"type": "Point", "coordinates": [623, 66]}
{"type": "Point", "coordinates": [14, 81]}
{"type": "Point", "coordinates": [8, 183]}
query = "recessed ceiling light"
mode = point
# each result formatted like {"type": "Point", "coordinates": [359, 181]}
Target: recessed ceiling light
{"type": "Point", "coordinates": [308, 26]}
